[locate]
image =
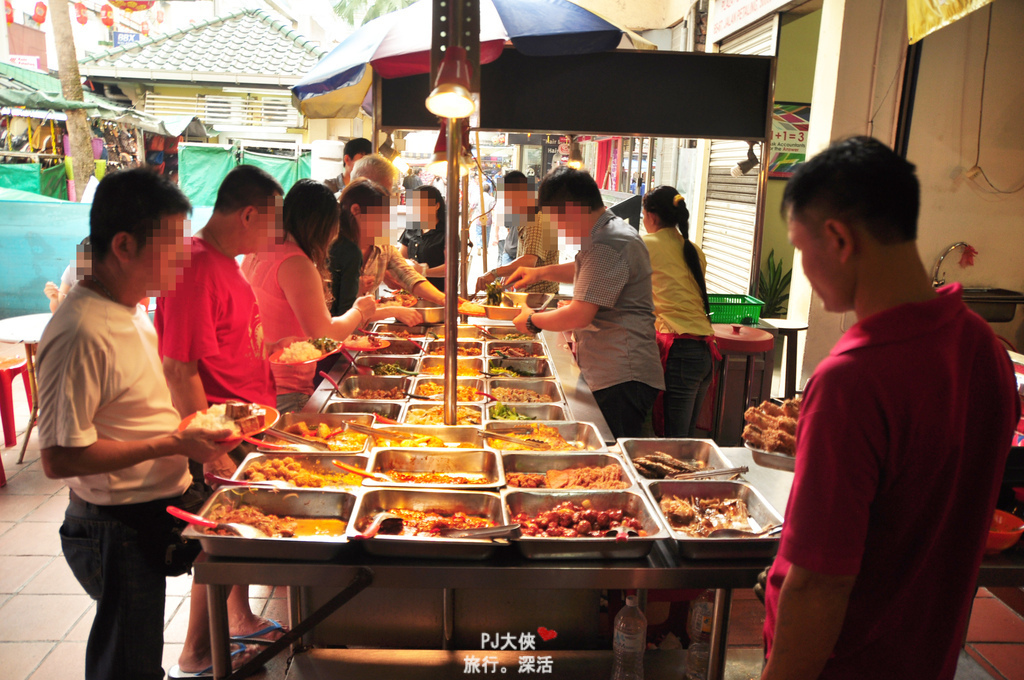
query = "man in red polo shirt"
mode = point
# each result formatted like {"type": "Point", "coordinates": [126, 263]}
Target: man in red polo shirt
{"type": "Point", "coordinates": [901, 443]}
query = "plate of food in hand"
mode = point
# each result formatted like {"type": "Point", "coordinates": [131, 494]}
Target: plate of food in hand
{"type": "Point", "coordinates": [305, 351]}
{"type": "Point", "coordinates": [244, 420]}
{"type": "Point", "coordinates": [365, 343]}
{"type": "Point", "coordinates": [770, 433]}
{"type": "Point", "coordinates": [399, 299]}
{"type": "Point", "coordinates": [471, 308]}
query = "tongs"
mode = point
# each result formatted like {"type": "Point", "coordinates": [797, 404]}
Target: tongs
{"type": "Point", "coordinates": [297, 439]}
{"type": "Point", "coordinates": [502, 531]}
{"type": "Point", "coordinates": [706, 474]}
{"type": "Point", "coordinates": [383, 434]}
{"type": "Point", "coordinates": [529, 443]}
{"type": "Point", "coordinates": [217, 480]}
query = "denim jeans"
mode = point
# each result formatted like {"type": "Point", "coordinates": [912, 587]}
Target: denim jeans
{"type": "Point", "coordinates": [687, 378]}
{"type": "Point", "coordinates": [626, 406]}
{"type": "Point", "coordinates": [110, 561]}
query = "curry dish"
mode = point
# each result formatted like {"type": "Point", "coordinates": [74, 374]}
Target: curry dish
{"type": "Point", "coordinates": [430, 523]}
{"type": "Point", "coordinates": [294, 472]}
{"type": "Point", "coordinates": [274, 526]}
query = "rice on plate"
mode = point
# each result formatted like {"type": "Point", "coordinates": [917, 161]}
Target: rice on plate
{"type": "Point", "coordinates": [214, 418]}
{"type": "Point", "coordinates": [300, 351]}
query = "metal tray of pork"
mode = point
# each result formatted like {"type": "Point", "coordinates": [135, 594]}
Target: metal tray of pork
{"type": "Point", "coordinates": [581, 521]}
{"type": "Point", "coordinates": [557, 471]}
{"type": "Point", "coordinates": [577, 437]}
{"type": "Point", "coordinates": [303, 471]}
{"type": "Point", "coordinates": [370, 365]}
{"type": "Point", "coordinates": [432, 389]}
{"type": "Point", "coordinates": [319, 534]}
{"type": "Point", "coordinates": [519, 368]}
{"type": "Point", "coordinates": [448, 507]}
{"type": "Point", "coordinates": [396, 347]}
{"type": "Point", "coordinates": [525, 412]}
{"type": "Point", "coordinates": [316, 425]}
{"type": "Point", "coordinates": [524, 390]}
{"type": "Point", "coordinates": [516, 349]}
{"type": "Point", "coordinates": [463, 469]}
{"type": "Point", "coordinates": [374, 387]}
{"type": "Point", "coordinates": [420, 413]}
{"type": "Point", "coordinates": [464, 348]}
{"type": "Point", "coordinates": [674, 500]}
{"type": "Point", "coordinates": [653, 459]}
{"type": "Point", "coordinates": [430, 437]}
{"type": "Point", "coordinates": [468, 367]}
{"type": "Point", "coordinates": [388, 410]}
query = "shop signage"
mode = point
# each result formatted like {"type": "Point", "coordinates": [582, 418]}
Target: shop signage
{"type": "Point", "coordinates": [125, 38]}
{"type": "Point", "coordinates": [728, 16]}
{"type": "Point", "coordinates": [789, 138]}
{"type": "Point", "coordinates": [927, 16]}
{"type": "Point", "coordinates": [24, 61]}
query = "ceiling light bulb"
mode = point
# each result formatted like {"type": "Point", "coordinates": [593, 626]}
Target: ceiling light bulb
{"type": "Point", "coordinates": [451, 97]}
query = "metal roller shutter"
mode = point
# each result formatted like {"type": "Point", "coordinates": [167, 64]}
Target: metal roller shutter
{"type": "Point", "coordinates": [730, 203]}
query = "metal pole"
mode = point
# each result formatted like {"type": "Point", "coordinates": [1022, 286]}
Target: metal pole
{"type": "Point", "coordinates": [451, 274]}
{"type": "Point", "coordinates": [650, 163]}
{"type": "Point", "coordinates": [483, 227]}
{"type": "Point", "coordinates": [629, 164]}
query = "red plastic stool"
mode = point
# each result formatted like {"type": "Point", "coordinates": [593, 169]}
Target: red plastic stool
{"type": "Point", "coordinates": [10, 367]}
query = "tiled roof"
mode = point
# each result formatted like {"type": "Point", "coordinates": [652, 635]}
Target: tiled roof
{"type": "Point", "coordinates": [247, 42]}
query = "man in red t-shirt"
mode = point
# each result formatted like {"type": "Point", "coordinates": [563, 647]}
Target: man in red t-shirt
{"type": "Point", "coordinates": [211, 345]}
{"type": "Point", "coordinates": [901, 443]}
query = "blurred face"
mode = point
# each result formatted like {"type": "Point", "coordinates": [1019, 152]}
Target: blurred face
{"type": "Point", "coordinates": [264, 224]}
{"type": "Point", "coordinates": [572, 221]}
{"type": "Point", "coordinates": [374, 225]}
{"type": "Point", "coordinates": [165, 254]}
{"type": "Point", "coordinates": [651, 223]}
{"type": "Point", "coordinates": [822, 263]}
{"type": "Point", "coordinates": [424, 211]}
{"type": "Point", "coordinates": [516, 200]}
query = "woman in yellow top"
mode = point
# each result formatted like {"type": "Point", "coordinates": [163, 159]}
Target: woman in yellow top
{"type": "Point", "coordinates": [685, 336]}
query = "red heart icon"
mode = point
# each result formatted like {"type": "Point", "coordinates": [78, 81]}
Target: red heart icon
{"type": "Point", "coordinates": [546, 635]}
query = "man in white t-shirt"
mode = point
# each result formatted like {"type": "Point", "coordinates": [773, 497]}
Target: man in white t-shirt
{"type": "Point", "coordinates": [107, 425]}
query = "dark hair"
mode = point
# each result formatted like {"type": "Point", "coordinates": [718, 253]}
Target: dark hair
{"type": "Point", "coordinates": [245, 186]}
{"type": "Point", "coordinates": [354, 147]}
{"type": "Point", "coordinates": [434, 194]}
{"type": "Point", "coordinates": [132, 201]}
{"type": "Point", "coordinates": [564, 185]}
{"type": "Point", "coordinates": [365, 194]}
{"type": "Point", "coordinates": [860, 180]}
{"type": "Point", "coordinates": [311, 214]}
{"type": "Point", "coordinates": [514, 178]}
{"type": "Point", "coordinates": [670, 208]}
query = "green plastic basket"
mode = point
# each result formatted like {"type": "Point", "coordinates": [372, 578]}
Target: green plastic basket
{"type": "Point", "coordinates": [742, 309]}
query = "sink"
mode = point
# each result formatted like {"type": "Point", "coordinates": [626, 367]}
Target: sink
{"type": "Point", "coordinates": [993, 304]}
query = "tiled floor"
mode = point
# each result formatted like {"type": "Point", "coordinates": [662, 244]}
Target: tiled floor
{"type": "Point", "coordinates": [45, 617]}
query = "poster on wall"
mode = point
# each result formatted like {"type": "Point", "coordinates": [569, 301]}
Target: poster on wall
{"type": "Point", "coordinates": [789, 138]}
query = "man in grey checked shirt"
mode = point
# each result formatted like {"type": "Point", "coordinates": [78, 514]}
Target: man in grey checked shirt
{"type": "Point", "coordinates": [612, 312]}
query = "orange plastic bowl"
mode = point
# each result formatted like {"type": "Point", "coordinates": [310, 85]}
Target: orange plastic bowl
{"type": "Point", "coordinates": [1004, 532]}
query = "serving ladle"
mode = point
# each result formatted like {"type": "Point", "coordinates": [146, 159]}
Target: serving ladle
{"type": "Point", "coordinates": [243, 530]}
{"type": "Point", "coordinates": [393, 522]}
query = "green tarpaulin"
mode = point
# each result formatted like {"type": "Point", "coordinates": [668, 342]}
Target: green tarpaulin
{"type": "Point", "coordinates": [284, 170]}
{"type": "Point", "coordinates": [53, 182]}
{"type": "Point", "coordinates": [201, 167]}
{"type": "Point", "coordinates": [21, 176]}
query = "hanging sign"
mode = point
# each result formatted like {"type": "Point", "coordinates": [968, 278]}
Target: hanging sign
{"type": "Point", "coordinates": [725, 17]}
{"type": "Point", "coordinates": [125, 38]}
{"type": "Point", "coordinates": [144, 27]}
{"type": "Point", "coordinates": [928, 16]}
{"type": "Point", "coordinates": [107, 15]}
{"type": "Point", "coordinates": [80, 13]}
{"type": "Point", "coordinates": [789, 138]}
{"type": "Point", "coordinates": [40, 14]}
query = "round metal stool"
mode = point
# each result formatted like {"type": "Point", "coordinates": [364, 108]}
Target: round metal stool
{"type": "Point", "coordinates": [737, 340]}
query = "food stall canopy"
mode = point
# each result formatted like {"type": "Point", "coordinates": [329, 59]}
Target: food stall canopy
{"type": "Point", "coordinates": [398, 44]}
{"type": "Point", "coordinates": [656, 94]}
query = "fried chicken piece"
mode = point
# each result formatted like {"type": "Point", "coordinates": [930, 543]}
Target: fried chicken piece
{"type": "Point", "coordinates": [770, 409]}
{"type": "Point", "coordinates": [791, 407]}
{"type": "Point", "coordinates": [759, 419]}
{"type": "Point", "coordinates": [778, 441]}
{"type": "Point", "coordinates": [754, 436]}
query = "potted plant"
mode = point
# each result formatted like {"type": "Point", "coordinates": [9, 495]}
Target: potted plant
{"type": "Point", "coordinates": [773, 288]}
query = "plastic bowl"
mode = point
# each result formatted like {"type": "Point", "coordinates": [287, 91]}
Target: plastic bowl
{"type": "Point", "coordinates": [501, 313]}
{"type": "Point", "coordinates": [1005, 531]}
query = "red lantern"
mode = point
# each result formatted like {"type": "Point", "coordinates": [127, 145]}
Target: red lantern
{"type": "Point", "coordinates": [133, 5]}
{"type": "Point", "coordinates": [9, 11]}
{"type": "Point", "coordinates": [107, 15]}
{"type": "Point", "coordinates": [159, 16]}
{"type": "Point", "coordinates": [144, 27]}
{"type": "Point", "coordinates": [40, 13]}
{"type": "Point", "coordinates": [80, 15]}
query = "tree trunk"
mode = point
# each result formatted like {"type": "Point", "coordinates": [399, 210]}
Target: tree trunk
{"type": "Point", "coordinates": [79, 132]}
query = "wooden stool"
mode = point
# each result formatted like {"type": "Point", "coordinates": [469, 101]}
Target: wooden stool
{"type": "Point", "coordinates": [733, 340]}
{"type": "Point", "coordinates": [10, 367]}
{"type": "Point", "coordinates": [788, 330]}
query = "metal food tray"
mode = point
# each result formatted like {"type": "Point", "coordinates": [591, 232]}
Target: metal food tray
{"type": "Point", "coordinates": [536, 349]}
{"type": "Point", "coordinates": [476, 383]}
{"type": "Point", "coordinates": [435, 345]}
{"type": "Point", "coordinates": [703, 450]}
{"type": "Point", "coordinates": [631, 502]}
{"type": "Point", "coordinates": [316, 463]}
{"type": "Point", "coordinates": [531, 463]}
{"type": "Point", "coordinates": [481, 503]}
{"type": "Point", "coordinates": [501, 331]}
{"type": "Point", "coordinates": [370, 362]}
{"type": "Point", "coordinates": [464, 332]}
{"type": "Point", "coordinates": [391, 410]}
{"type": "Point", "coordinates": [397, 347]}
{"type": "Point", "coordinates": [433, 361]}
{"type": "Point", "coordinates": [535, 411]}
{"type": "Point", "coordinates": [460, 434]}
{"type": "Point", "coordinates": [545, 388]}
{"type": "Point", "coordinates": [760, 510]}
{"type": "Point", "coordinates": [353, 386]}
{"type": "Point", "coordinates": [298, 503]}
{"type": "Point", "coordinates": [414, 331]}
{"type": "Point", "coordinates": [537, 368]}
{"type": "Point", "coordinates": [431, 312]}
{"type": "Point", "coordinates": [419, 406]}
{"type": "Point", "coordinates": [583, 435]}
{"type": "Point", "coordinates": [779, 461]}
{"type": "Point", "coordinates": [445, 461]}
{"type": "Point", "coordinates": [333, 420]}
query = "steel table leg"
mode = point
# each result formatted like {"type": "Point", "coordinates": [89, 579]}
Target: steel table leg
{"type": "Point", "coordinates": [719, 633]}
{"type": "Point", "coordinates": [220, 636]}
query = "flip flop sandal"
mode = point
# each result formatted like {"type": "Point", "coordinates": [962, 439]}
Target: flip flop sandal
{"type": "Point", "coordinates": [177, 674]}
{"type": "Point", "coordinates": [259, 637]}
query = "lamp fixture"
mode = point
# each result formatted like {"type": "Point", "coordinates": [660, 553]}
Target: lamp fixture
{"type": "Point", "coordinates": [387, 149]}
{"type": "Point", "coordinates": [451, 97]}
{"type": "Point", "coordinates": [745, 166]}
{"type": "Point", "coordinates": [438, 164]}
{"type": "Point", "coordinates": [575, 154]}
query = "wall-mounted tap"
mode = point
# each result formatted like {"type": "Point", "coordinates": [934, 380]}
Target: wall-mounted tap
{"type": "Point", "coordinates": [936, 281]}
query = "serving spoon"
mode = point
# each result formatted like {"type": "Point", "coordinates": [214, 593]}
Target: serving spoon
{"type": "Point", "coordinates": [739, 533]}
{"type": "Point", "coordinates": [375, 476]}
{"type": "Point", "coordinates": [502, 531]}
{"type": "Point", "coordinates": [379, 520]}
{"type": "Point", "coordinates": [243, 530]}
{"type": "Point", "coordinates": [217, 480]}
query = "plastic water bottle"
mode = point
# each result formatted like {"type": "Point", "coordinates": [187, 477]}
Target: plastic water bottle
{"type": "Point", "coordinates": [629, 643]}
{"type": "Point", "coordinates": [698, 627]}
